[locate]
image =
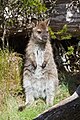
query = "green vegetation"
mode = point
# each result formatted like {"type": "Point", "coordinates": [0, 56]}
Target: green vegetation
{"type": "Point", "coordinates": [11, 95]}
{"type": "Point", "coordinates": [61, 34]}
{"type": "Point", "coordinates": [10, 65]}
{"type": "Point", "coordinates": [35, 5]}
{"type": "Point", "coordinates": [20, 11]}
{"type": "Point", "coordinates": [52, 34]}
{"type": "Point", "coordinates": [70, 50]}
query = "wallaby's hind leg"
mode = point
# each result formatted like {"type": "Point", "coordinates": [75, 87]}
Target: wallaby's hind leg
{"type": "Point", "coordinates": [29, 97]}
{"type": "Point", "coordinates": [50, 91]}
{"type": "Point", "coordinates": [28, 91]}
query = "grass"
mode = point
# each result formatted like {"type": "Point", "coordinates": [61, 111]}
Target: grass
{"type": "Point", "coordinates": [10, 111]}
{"type": "Point", "coordinates": [11, 95]}
{"type": "Point", "coordinates": [10, 65]}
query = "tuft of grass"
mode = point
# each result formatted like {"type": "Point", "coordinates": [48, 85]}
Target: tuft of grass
{"type": "Point", "coordinates": [62, 93]}
{"type": "Point", "coordinates": [10, 111]}
{"type": "Point", "coordinates": [10, 78]}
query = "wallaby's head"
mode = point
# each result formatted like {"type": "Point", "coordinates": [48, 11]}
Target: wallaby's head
{"type": "Point", "coordinates": [40, 32]}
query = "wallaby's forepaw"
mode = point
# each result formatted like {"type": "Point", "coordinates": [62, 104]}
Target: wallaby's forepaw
{"type": "Point", "coordinates": [44, 64]}
{"type": "Point", "coordinates": [34, 64]}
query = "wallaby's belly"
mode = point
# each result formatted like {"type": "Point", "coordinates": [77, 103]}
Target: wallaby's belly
{"type": "Point", "coordinates": [39, 55]}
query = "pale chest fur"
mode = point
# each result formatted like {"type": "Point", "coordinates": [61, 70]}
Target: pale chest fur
{"type": "Point", "coordinates": [39, 55]}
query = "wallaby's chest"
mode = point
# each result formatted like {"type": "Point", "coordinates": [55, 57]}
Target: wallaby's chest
{"type": "Point", "coordinates": [39, 56]}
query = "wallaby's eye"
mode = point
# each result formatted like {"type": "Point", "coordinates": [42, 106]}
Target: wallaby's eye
{"type": "Point", "coordinates": [47, 31]}
{"type": "Point", "coordinates": [39, 31]}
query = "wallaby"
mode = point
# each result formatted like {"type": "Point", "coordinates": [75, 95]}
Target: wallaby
{"type": "Point", "coordinates": [40, 77]}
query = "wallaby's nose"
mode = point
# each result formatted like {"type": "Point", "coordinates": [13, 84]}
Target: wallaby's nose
{"type": "Point", "coordinates": [45, 37]}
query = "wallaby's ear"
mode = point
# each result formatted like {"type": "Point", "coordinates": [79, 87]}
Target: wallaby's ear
{"type": "Point", "coordinates": [34, 22]}
{"type": "Point", "coordinates": [47, 21]}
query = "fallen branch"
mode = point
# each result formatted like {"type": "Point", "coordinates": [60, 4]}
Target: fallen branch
{"type": "Point", "coordinates": [68, 109]}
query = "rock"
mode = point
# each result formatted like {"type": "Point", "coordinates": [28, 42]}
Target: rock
{"type": "Point", "coordinates": [66, 12]}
